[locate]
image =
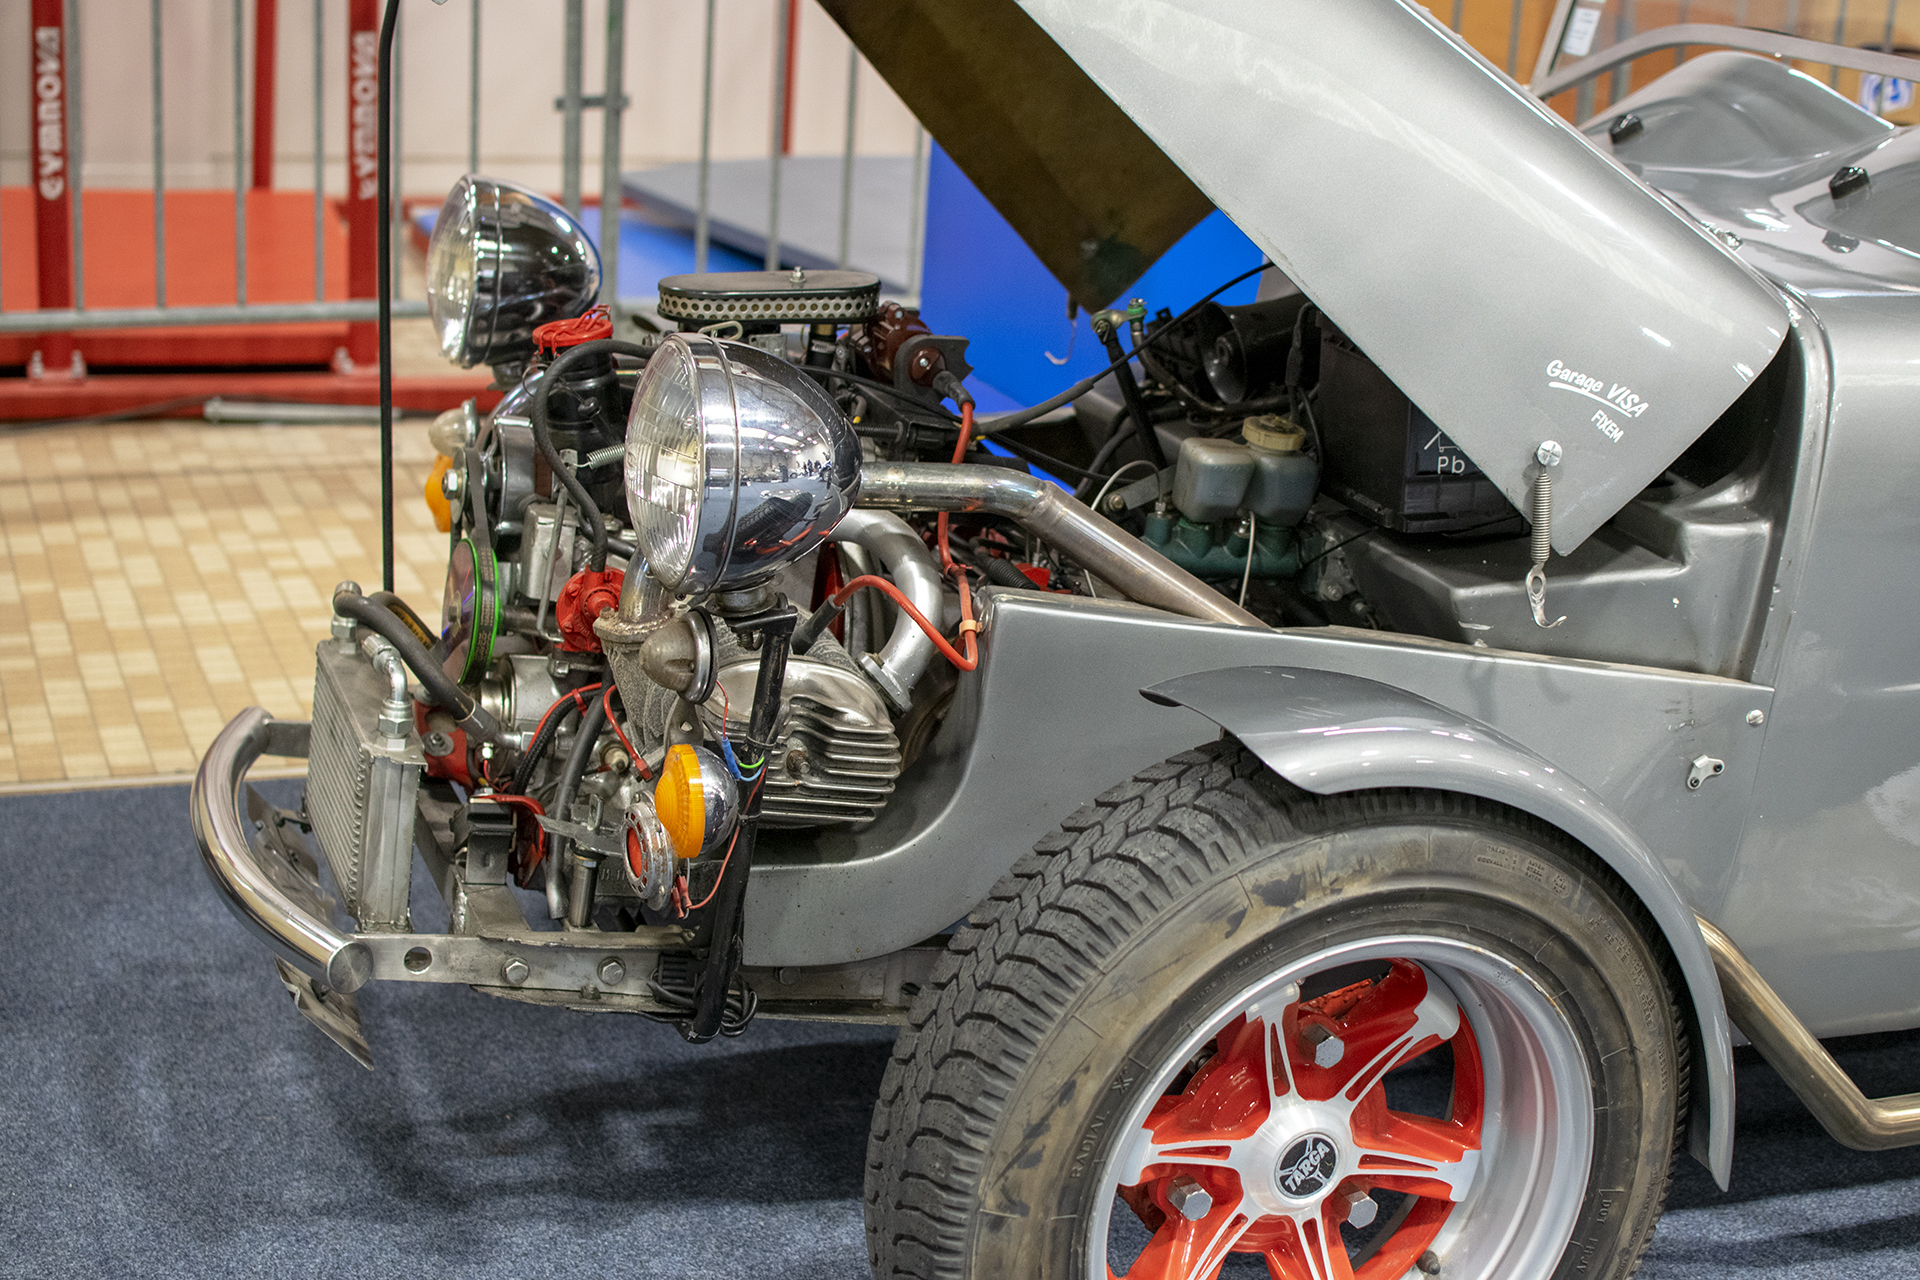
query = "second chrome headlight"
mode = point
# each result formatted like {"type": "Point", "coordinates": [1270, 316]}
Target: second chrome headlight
{"type": "Point", "coordinates": [737, 463]}
{"type": "Point", "coordinates": [502, 261]}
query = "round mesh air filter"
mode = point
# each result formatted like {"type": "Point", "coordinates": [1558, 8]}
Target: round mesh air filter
{"type": "Point", "coordinates": [771, 297]}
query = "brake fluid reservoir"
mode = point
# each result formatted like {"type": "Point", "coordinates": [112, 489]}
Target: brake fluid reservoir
{"type": "Point", "coordinates": [1285, 479]}
{"type": "Point", "coordinates": [1210, 478]}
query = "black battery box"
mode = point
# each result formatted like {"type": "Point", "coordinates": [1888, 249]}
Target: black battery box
{"type": "Point", "coordinates": [1386, 459]}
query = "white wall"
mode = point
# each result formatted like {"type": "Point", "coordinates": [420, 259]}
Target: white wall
{"type": "Point", "coordinates": [520, 67]}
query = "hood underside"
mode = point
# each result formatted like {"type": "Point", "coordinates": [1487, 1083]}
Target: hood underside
{"type": "Point", "coordinates": [1094, 198]}
{"type": "Point", "coordinates": [1515, 283]}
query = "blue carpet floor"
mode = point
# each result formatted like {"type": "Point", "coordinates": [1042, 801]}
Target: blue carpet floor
{"type": "Point", "coordinates": [166, 1114]}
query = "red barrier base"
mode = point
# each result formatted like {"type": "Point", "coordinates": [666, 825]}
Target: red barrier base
{"type": "Point", "coordinates": [119, 272]}
{"type": "Point", "coordinates": [179, 395]}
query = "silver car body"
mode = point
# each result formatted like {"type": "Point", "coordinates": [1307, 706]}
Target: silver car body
{"type": "Point", "coordinates": [1729, 716]}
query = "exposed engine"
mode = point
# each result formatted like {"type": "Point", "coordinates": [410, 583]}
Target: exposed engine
{"type": "Point", "coordinates": [667, 626]}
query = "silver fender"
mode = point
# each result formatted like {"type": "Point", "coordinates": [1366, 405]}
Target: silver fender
{"type": "Point", "coordinates": [1327, 732]}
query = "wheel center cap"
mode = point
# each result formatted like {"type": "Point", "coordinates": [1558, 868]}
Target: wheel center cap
{"type": "Point", "coordinates": [1306, 1168]}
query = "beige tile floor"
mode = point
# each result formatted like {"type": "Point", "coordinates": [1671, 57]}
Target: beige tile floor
{"type": "Point", "coordinates": [159, 577]}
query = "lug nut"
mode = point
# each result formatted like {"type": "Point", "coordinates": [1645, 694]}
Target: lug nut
{"type": "Point", "coordinates": [612, 972]}
{"type": "Point", "coordinates": [515, 971]}
{"type": "Point", "coordinates": [1361, 1208]}
{"type": "Point", "coordinates": [1327, 1047]}
{"type": "Point", "coordinates": [1189, 1199]}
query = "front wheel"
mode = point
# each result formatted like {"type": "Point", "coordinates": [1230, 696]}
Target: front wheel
{"type": "Point", "coordinates": [1219, 1026]}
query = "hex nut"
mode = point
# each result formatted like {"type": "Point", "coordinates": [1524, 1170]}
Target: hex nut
{"type": "Point", "coordinates": [1189, 1199]}
{"type": "Point", "coordinates": [1362, 1208]}
{"type": "Point", "coordinates": [1327, 1047]}
{"type": "Point", "coordinates": [515, 971]}
{"type": "Point", "coordinates": [612, 972]}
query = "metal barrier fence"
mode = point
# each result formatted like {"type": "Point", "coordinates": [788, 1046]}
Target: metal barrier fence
{"type": "Point", "coordinates": [61, 150]}
{"type": "Point", "coordinates": [63, 257]}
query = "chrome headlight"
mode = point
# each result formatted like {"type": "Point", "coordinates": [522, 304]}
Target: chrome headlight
{"type": "Point", "coordinates": [737, 463]}
{"type": "Point", "coordinates": [502, 261]}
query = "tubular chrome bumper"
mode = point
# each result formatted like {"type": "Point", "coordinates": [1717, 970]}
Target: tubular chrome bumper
{"type": "Point", "coordinates": [265, 897]}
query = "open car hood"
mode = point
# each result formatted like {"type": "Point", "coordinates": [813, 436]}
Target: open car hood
{"type": "Point", "coordinates": [1514, 282]}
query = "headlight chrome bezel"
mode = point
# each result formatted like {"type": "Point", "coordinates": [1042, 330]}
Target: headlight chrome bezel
{"type": "Point", "coordinates": [502, 261]}
{"type": "Point", "coordinates": [768, 462]}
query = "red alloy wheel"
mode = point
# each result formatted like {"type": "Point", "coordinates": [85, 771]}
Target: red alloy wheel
{"type": "Point", "coordinates": [1284, 1134]}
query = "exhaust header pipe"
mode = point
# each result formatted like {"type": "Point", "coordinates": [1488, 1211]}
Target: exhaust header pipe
{"type": "Point", "coordinates": [1130, 565]}
{"type": "Point", "coordinates": [1860, 1122]}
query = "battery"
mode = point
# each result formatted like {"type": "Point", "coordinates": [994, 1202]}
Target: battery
{"type": "Point", "coordinates": [1385, 458]}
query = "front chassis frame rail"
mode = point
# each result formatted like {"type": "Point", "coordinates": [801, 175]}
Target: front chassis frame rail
{"type": "Point", "coordinates": [260, 860]}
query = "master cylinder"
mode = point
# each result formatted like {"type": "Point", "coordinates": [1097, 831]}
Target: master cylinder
{"type": "Point", "coordinates": [1265, 473]}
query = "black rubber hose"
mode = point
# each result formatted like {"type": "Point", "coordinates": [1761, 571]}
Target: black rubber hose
{"type": "Point", "coordinates": [440, 686]}
{"type": "Point", "coordinates": [590, 721]}
{"type": "Point", "coordinates": [1007, 421]}
{"type": "Point", "coordinates": [404, 611]}
{"type": "Point", "coordinates": [1135, 402]}
{"type": "Point", "coordinates": [550, 727]}
{"type": "Point", "coordinates": [563, 363]}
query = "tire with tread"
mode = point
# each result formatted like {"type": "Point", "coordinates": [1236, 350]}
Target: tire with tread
{"type": "Point", "coordinates": [1037, 1001]}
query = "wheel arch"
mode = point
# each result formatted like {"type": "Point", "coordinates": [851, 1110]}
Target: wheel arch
{"type": "Point", "coordinates": [1328, 732]}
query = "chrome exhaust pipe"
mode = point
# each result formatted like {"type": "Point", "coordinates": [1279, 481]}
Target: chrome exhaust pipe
{"type": "Point", "coordinates": [1097, 545]}
{"type": "Point", "coordinates": [1860, 1122]}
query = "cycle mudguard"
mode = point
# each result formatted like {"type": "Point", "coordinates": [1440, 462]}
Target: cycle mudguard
{"type": "Point", "coordinates": [1327, 732]}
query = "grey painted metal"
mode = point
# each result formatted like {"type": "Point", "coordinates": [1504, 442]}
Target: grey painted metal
{"type": "Point", "coordinates": [232, 861]}
{"type": "Point", "coordinates": [917, 217]}
{"type": "Point", "coordinates": [700, 233]}
{"type": "Point", "coordinates": [1863, 1123]}
{"type": "Point", "coordinates": [1709, 34]}
{"type": "Point", "coordinates": [1095, 543]}
{"type": "Point", "coordinates": [570, 59]}
{"type": "Point", "coordinates": [846, 156]}
{"type": "Point", "coordinates": [1517, 1193]}
{"type": "Point", "coordinates": [1550, 43]}
{"type": "Point", "coordinates": [1823, 889]}
{"type": "Point", "coordinates": [613, 108]}
{"type": "Point", "coordinates": [159, 162]}
{"type": "Point", "coordinates": [473, 86]}
{"type": "Point", "coordinates": [776, 151]}
{"type": "Point", "coordinates": [1839, 38]}
{"type": "Point", "coordinates": [1620, 329]}
{"type": "Point", "coordinates": [1627, 735]}
{"type": "Point", "coordinates": [319, 150]}
{"type": "Point", "coordinates": [1330, 732]}
{"type": "Point", "coordinates": [150, 317]}
{"type": "Point", "coordinates": [240, 174]}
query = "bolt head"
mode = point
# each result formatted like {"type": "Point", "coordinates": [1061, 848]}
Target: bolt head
{"type": "Point", "coordinates": [515, 971]}
{"type": "Point", "coordinates": [1361, 1208]}
{"type": "Point", "coordinates": [1189, 1199]}
{"type": "Point", "coordinates": [1548, 453]}
{"type": "Point", "coordinates": [612, 972]}
{"type": "Point", "coordinates": [1756, 718]}
{"type": "Point", "coordinates": [1327, 1047]}
{"type": "Point", "coordinates": [450, 483]}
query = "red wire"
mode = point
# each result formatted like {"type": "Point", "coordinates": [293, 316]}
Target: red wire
{"type": "Point", "coordinates": [540, 841]}
{"type": "Point", "coordinates": [959, 452]}
{"type": "Point", "coordinates": [972, 658]}
{"type": "Point", "coordinates": [606, 705]}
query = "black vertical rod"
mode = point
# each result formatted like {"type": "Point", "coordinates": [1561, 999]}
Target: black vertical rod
{"type": "Point", "coordinates": [724, 944]}
{"type": "Point", "coordinates": [385, 245]}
